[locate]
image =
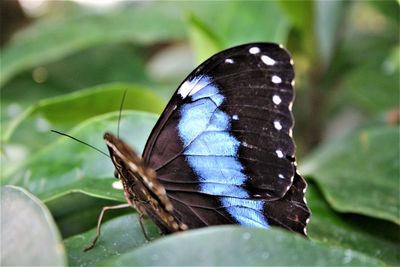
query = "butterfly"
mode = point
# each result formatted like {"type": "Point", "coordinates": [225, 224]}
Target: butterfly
{"type": "Point", "coordinates": [222, 151]}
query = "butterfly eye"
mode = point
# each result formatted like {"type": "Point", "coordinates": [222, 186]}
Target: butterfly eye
{"type": "Point", "coordinates": [116, 175]}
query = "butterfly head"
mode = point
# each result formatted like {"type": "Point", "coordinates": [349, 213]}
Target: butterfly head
{"type": "Point", "coordinates": [123, 156]}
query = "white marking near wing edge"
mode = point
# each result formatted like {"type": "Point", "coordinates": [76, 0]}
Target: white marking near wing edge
{"type": "Point", "coordinates": [276, 99]}
{"type": "Point", "coordinates": [254, 50]}
{"type": "Point", "coordinates": [267, 60]}
{"type": "Point", "coordinates": [229, 61]}
{"type": "Point", "coordinates": [277, 125]}
{"type": "Point", "coordinates": [276, 79]}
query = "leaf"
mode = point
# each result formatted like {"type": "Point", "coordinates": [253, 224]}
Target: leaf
{"type": "Point", "coordinates": [234, 245]}
{"type": "Point", "coordinates": [54, 38]}
{"type": "Point", "coordinates": [389, 8]}
{"type": "Point", "coordinates": [375, 238]}
{"type": "Point", "coordinates": [358, 173]}
{"type": "Point", "coordinates": [117, 236]}
{"type": "Point", "coordinates": [28, 232]}
{"type": "Point", "coordinates": [96, 65]}
{"type": "Point", "coordinates": [68, 166]}
{"type": "Point", "coordinates": [225, 24]}
{"type": "Point", "coordinates": [300, 14]}
{"type": "Point", "coordinates": [360, 87]}
{"type": "Point", "coordinates": [327, 22]}
{"type": "Point", "coordinates": [72, 220]}
{"type": "Point", "coordinates": [203, 39]}
{"type": "Point", "coordinates": [65, 111]}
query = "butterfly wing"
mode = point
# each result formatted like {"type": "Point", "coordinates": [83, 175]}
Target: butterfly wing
{"type": "Point", "coordinates": [223, 147]}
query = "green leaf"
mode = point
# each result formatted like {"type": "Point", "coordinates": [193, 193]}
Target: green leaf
{"type": "Point", "coordinates": [360, 87]}
{"type": "Point", "coordinates": [203, 39]}
{"type": "Point", "coordinates": [53, 38]}
{"type": "Point", "coordinates": [234, 245]}
{"type": "Point", "coordinates": [240, 22]}
{"type": "Point", "coordinates": [300, 14]}
{"type": "Point", "coordinates": [328, 18]}
{"type": "Point", "coordinates": [389, 8]}
{"type": "Point", "coordinates": [65, 111]}
{"type": "Point", "coordinates": [28, 232]}
{"type": "Point", "coordinates": [80, 70]}
{"type": "Point", "coordinates": [376, 238]}
{"type": "Point", "coordinates": [358, 173]}
{"type": "Point", "coordinates": [72, 221]}
{"type": "Point", "coordinates": [117, 236]}
{"type": "Point", "coordinates": [68, 166]}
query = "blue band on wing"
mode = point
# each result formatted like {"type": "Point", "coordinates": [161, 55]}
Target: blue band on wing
{"type": "Point", "coordinates": [211, 152]}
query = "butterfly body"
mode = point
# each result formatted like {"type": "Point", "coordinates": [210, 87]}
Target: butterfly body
{"type": "Point", "coordinates": [142, 190]}
{"type": "Point", "coordinates": [222, 151]}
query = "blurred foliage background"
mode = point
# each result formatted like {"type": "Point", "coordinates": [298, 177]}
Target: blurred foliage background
{"type": "Point", "coordinates": [66, 64]}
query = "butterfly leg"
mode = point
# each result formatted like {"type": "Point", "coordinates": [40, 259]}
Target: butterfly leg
{"type": "Point", "coordinates": [98, 229]}
{"type": "Point", "coordinates": [142, 226]}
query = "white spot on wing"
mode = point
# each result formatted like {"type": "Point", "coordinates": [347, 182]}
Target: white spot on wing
{"type": "Point", "coordinates": [235, 117]}
{"type": "Point", "coordinates": [277, 125]}
{"type": "Point", "coordinates": [281, 176]}
{"type": "Point", "coordinates": [293, 83]}
{"type": "Point", "coordinates": [190, 87]}
{"type": "Point", "coordinates": [276, 79]}
{"type": "Point", "coordinates": [185, 88]}
{"type": "Point", "coordinates": [267, 60]}
{"type": "Point", "coordinates": [229, 61]}
{"type": "Point", "coordinates": [254, 50]}
{"type": "Point", "coordinates": [276, 99]}
{"type": "Point", "coordinates": [279, 153]}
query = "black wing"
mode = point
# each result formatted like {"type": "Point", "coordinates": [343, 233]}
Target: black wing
{"type": "Point", "coordinates": [223, 147]}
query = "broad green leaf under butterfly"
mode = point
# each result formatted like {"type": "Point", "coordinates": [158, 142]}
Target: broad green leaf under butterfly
{"type": "Point", "coordinates": [28, 232]}
{"type": "Point", "coordinates": [373, 237]}
{"type": "Point", "coordinates": [238, 246]}
{"type": "Point", "coordinates": [123, 234]}
{"type": "Point", "coordinates": [72, 221]}
{"type": "Point", "coordinates": [120, 235]}
{"type": "Point", "coordinates": [68, 166]}
{"type": "Point", "coordinates": [358, 173]}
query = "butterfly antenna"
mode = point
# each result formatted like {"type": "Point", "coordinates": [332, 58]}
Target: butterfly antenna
{"type": "Point", "coordinates": [67, 135]}
{"type": "Point", "coordinates": [120, 111]}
